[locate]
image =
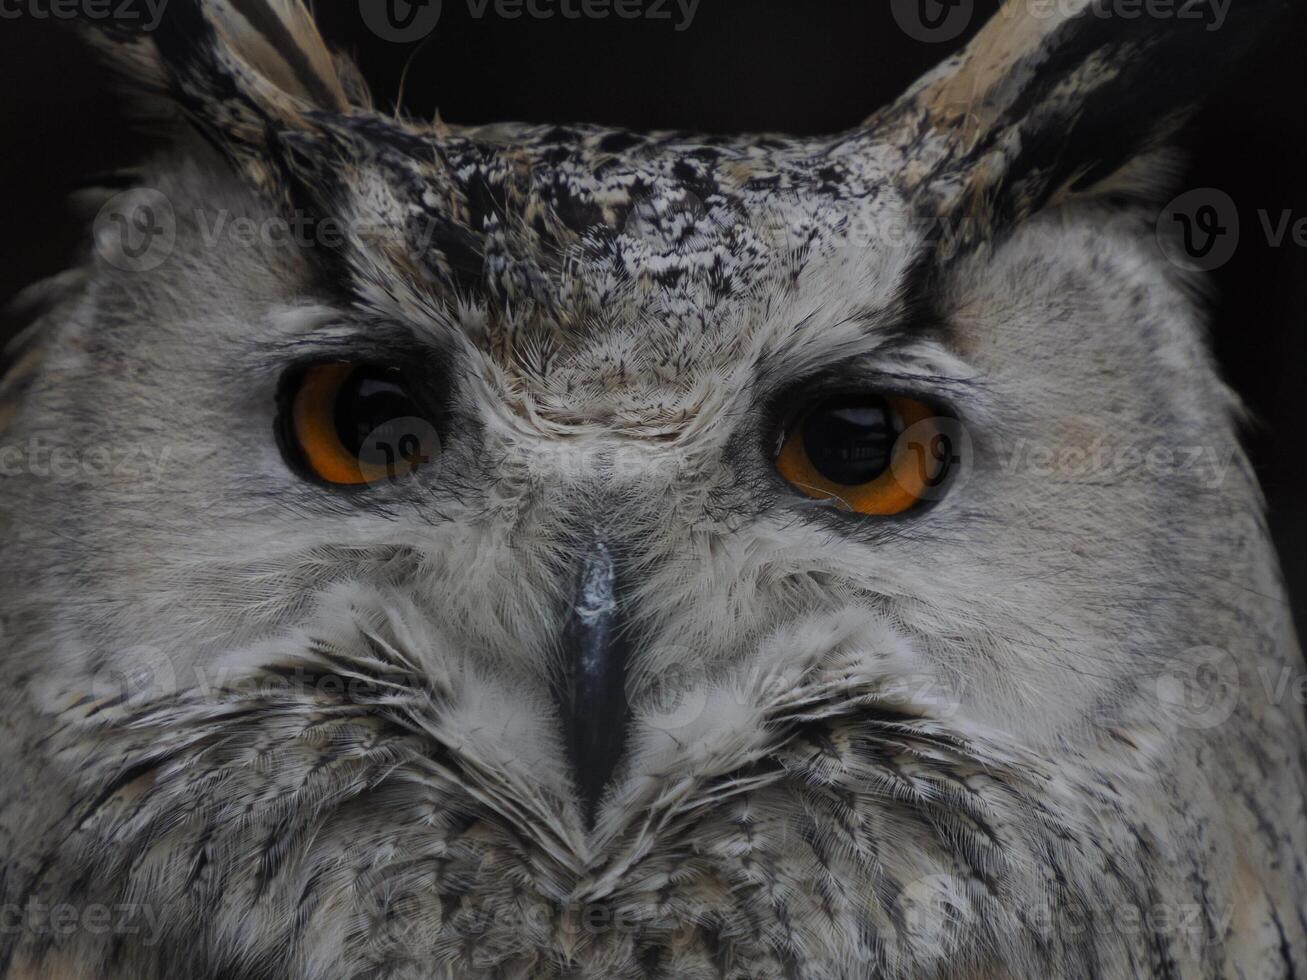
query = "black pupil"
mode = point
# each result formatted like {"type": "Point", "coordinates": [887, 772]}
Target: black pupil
{"type": "Point", "coordinates": [367, 401]}
{"type": "Point", "coordinates": [850, 442]}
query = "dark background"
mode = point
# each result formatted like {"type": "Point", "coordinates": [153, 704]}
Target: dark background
{"type": "Point", "coordinates": [799, 66]}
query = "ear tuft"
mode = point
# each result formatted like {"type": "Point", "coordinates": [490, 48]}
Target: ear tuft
{"type": "Point", "coordinates": [274, 39]}
{"type": "Point", "coordinates": [239, 70]}
{"type": "Point", "coordinates": [279, 40]}
{"type": "Point", "coordinates": [1054, 101]}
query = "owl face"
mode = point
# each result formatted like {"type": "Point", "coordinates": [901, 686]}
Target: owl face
{"type": "Point", "coordinates": [583, 553]}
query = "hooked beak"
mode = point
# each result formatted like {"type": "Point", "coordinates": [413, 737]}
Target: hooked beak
{"type": "Point", "coordinates": [592, 692]}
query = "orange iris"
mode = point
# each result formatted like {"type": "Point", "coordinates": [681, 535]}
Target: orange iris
{"type": "Point", "coordinates": [888, 445]}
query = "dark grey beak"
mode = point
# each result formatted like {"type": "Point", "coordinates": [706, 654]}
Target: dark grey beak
{"type": "Point", "coordinates": [592, 695]}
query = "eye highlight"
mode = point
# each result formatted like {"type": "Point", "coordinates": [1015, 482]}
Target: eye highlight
{"type": "Point", "coordinates": [874, 454]}
{"type": "Point", "coordinates": [355, 424]}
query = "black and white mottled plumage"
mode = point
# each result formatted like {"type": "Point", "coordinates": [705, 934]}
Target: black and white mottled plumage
{"type": "Point", "coordinates": [304, 734]}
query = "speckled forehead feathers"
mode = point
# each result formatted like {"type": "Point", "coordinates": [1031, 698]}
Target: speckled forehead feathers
{"type": "Point", "coordinates": [560, 228]}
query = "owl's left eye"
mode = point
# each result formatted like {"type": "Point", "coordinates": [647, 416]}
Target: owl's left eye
{"type": "Point", "coordinates": [353, 425]}
{"type": "Point", "coordinates": [878, 455]}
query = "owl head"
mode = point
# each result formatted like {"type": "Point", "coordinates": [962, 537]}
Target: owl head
{"type": "Point", "coordinates": [557, 551]}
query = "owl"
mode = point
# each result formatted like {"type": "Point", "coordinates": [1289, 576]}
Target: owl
{"type": "Point", "coordinates": [524, 552]}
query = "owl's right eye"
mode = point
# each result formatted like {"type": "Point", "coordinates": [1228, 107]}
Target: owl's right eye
{"type": "Point", "coordinates": [877, 455]}
{"type": "Point", "coordinates": [355, 425]}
